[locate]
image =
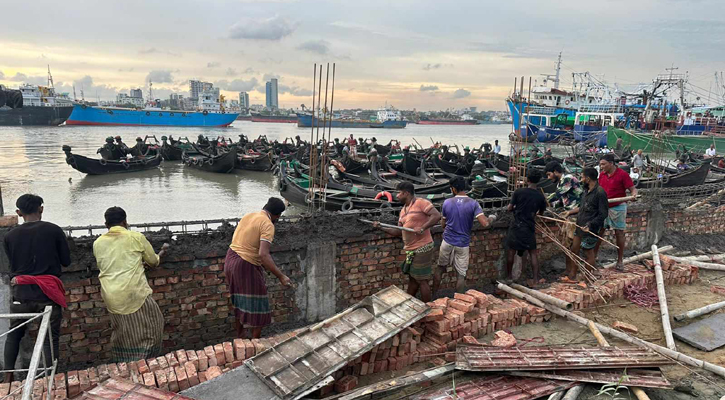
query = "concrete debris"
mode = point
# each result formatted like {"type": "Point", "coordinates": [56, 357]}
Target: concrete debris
{"type": "Point", "coordinates": [503, 339]}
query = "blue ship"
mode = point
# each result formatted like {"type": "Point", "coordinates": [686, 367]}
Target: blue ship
{"type": "Point", "coordinates": [540, 118]}
{"type": "Point", "coordinates": [89, 115]}
{"type": "Point", "coordinates": [305, 121]}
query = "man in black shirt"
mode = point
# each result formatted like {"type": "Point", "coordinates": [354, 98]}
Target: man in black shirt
{"type": "Point", "coordinates": [36, 251]}
{"type": "Point", "coordinates": [592, 211]}
{"type": "Point", "coordinates": [525, 204]}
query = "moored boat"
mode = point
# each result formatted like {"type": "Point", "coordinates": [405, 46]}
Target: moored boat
{"type": "Point", "coordinates": [92, 166]}
{"type": "Point", "coordinates": [222, 163]}
{"type": "Point", "coordinates": [115, 116]}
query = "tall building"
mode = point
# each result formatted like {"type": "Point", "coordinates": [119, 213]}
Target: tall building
{"type": "Point", "coordinates": [244, 100]}
{"type": "Point", "coordinates": [198, 87]}
{"type": "Point", "coordinates": [272, 97]}
{"type": "Point", "coordinates": [137, 93]}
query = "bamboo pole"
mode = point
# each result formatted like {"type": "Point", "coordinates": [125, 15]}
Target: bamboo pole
{"type": "Point", "coordinates": [675, 355]}
{"type": "Point", "coordinates": [622, 199]}
{"type": "Point", "coordinates": [707, 258]}
{"type": "Point", "coordinates": [661, 295]}
{"type": "Point", "coordinates": [703, 265]}
{"type": "Point", "coordinates": [639, 257]}
{"type": "Point", "coordinates": [707, 200]}
{"type": "Point", "coordinates": [556, 396]}
{"type": "Point", "coordinates": [597, 334]}
{"type": "Point", "coordinates": [700, 311]}
{"type": "Point", "coordinates": [544, 297]}
{"type": "Point", "coordinates": [574, 393]}
{"type": "Point", "coordinates": [580, 227]}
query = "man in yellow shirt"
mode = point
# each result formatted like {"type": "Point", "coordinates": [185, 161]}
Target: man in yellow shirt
{"type": "Point", "coordinates": [136, 319]}
{"type": "Point", "coordinates": [247, 258]}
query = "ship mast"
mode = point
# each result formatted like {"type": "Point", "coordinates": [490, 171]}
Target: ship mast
{"type": "Point", "coordinates": [50, 78]}
{"type": "Point", "coordinates": [558, 70]}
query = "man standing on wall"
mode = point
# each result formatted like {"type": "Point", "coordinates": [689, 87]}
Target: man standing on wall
{"type": "Point", "coordinates": [616, 183]}
{"type": "Point", "coordinates": [36, 250]}
{"type": "Point", "coordinates": [136, 319]}
{"type": "Point", "coordinates": [247, 258]}
{"type": "Point", "coordinates": [525, 204]}
{"type": "Point", "coordinates": [420, 215]}
{"type": "Point", "coordinates": [591, 214]}
{"type": "Point", "coordinates": [457, 222]}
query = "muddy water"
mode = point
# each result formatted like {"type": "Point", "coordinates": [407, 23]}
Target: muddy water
{"type": "Point", "coordinates": [31, 160]}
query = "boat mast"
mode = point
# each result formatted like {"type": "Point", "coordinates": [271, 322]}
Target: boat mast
{"type": "Point", "coordinates": [50, 78]}
{"type": "Point", "coordinates": [558, 70]}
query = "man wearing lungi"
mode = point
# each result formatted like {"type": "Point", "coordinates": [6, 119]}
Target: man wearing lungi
{"type": "Point", "coordinates": [247, 258]}
{"type": "Point", "coordinates": [136, 319]}
{"type": "Point", "coordinates": [420, 215]}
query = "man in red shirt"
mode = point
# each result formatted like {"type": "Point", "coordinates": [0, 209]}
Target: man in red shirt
{"type": "Point", "coordinates": [616, 183]}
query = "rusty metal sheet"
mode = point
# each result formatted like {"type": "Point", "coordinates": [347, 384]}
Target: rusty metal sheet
{"type": "Point", "coordinates": [119, 389]}
{"type": "Point", "coordinates": [487, 358]}
{"type": "Point", "coordinates": [651, 378]}
{"type": "Point", "coordinates": [292, 368]}
{"type": "Point", "coordinates": [496, 387]}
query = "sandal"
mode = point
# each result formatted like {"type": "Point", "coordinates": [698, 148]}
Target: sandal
{"type": "Point", "coordinates": [619, 267]}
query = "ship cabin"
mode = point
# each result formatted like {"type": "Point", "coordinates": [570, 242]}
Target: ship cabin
{"type": "Point", "coordinates": [42, 96]}
{"type": "Point", "coordinates": [592, 121]}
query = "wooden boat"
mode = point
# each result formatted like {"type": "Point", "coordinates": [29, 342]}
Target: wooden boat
{"type": "Point", "coordinates": [92, 166]}
{"type": "Point", "coordinates": [692, 177]}
{"type": "Point", "coordinates": [353, 166]}
{"type": "Point", "coordinates": [255, 162]}
{"type": "Point", "coordinates": [222, 163]}
{"type": "Point", "coordinates": [458, 168]}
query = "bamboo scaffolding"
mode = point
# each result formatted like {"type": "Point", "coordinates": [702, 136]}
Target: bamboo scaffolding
{"type": "Point", "coordinates": [563, 221]}
{"type": "Point", "coordinates": [700, 311]}
{"type": "Point", "coordinates": [707, 200]}
{"type": "Point", "coordinates": [703, 265]}
{"type": "Point", "coordinates": [544, 297]}
{"type": "Point", "coordinates": [639, 257]}
{"type": "Point", "coordinates": [623, 199]}
{"type": "Point", "coordinates": [663, 300]}
{"type": "Point", "coordinates": [677, 356]}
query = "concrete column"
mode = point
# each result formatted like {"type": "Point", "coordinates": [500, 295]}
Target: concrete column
{"type": "Point", "coordinates": [316, 295]}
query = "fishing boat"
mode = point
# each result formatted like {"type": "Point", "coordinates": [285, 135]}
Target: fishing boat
{"type": "Point", "coordinates": [255, 162]}
{"type": "Point", "coordinates": [101, 166]}
{"type": "Point", "coordinates": [222, 163]}
{"type": "Point", "coordinates": [175, 151]}
{"type": "Point", "coordinates": [592, 122]}
{"type": "Point", "coordinates": [647, 141]}
{"type": "Point", "coordinates": [672, 178]}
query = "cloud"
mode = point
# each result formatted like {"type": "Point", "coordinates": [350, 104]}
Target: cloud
{"type": "Point", "coordinates": [2, 76]}
{"type": "Point", "coordinates": [429, 67]}
{"type": "Point", "coordinates": [274, 28]}
{"type": "Point", "coordinates": [91, 90]}
{"type": "Point", "coordinates": [315, 46]}
{"type": "Point", "coordinates": [230, 71]}
{"type": "Point", "coordinates": [294, 90]}
{"type": "Point", "coordinates": [428, 88]}
{"type": "Point", "coordinates": [213, 64]}
{"type": "Point", "coordinates": [270, 60]}
{"type": "Point", "coordinates": [33, 80]}
{"type": "Point", "coordinates": [154, 50]}
{"type": "Point", "coordinates": [160, 76]}
{"type": "Point", "coordinates": [237, 85]}
{"type": "Point", "coordinates": [461, 93]}
{"type": "Point", "coordinates": [269, 76]}
{"type": "Point", "coordinates": [125, 69]}
{"type": "Point", "coordinates": [249, 70]}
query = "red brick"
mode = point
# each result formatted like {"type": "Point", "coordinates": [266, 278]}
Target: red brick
{"type": "Point", "coordinates": [239, 350]}
{"type": "Point", "coordinates": [171, 379]}
{"type": "Point", "coordinates": [181, 377]}
{"type": "Point", "coordinates": [470, 340]}
{"type": "Point", "coordinates": [161, 381]}
{"type": "Point", "coordinates": [180, 357]}
{"type": "Point", "coordinates": [212, 373]}
{"type": "Point", "coordinates": [203, 360]}
{"type": "Point", "coordinates": [191, 356]}
{"type": "Point", "coordinates": [249, 348]}
{"type": "Point", "coordinates": [718, 289]}
{"type": "Point", "coordinates": [481, 298]}
{"type": "Point", "coordinates": [143, 368]}
{"type": "Point", "coordinates": [461, 305]}
{"type": "Point", "coordinates": [438, 327]}
{"type": "Point", "coordinates": [228, 352]}
{"type": "Point", "coordinates": [74, 384]}
{"type": "Point", "coordinates": [163, 363]}
{"type": "Point", "coordinates": [623, 326]}
{"type": "Point", "coordinates": [465, 298]}
{"type": "Point", "coordinates": [149, 379]}
{"type": "Point", "coordinates": [191, 374]}
{"type": "Point", "coordinates": [84, 379]}
{"type": "Point", "coordinates": [503, 339]}
{"type": "Point", "coordinates": [442, 302]}
{"type": "Point", "coordinates": [220, 354]}
{"type": "Point", "coordinates": [153, 365]}
{"type": "Point", "coordinates": [345, 384]}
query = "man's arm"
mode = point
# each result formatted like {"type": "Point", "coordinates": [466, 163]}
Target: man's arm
{"type": "Point", "coordinates": [269, 264]}
{"type": "Point", "coordinates": [485, 222]}
{"type": "Point", "coordinates": [443, 222]}
{"type": "Point", "coordinates": [433, 217]}
{"type": "Point", "coordinates": [573, 211]}
{"type": "Point", "coordinates": [633, 191]}
{"type": "Point", "coordinates": [148, 254]}
{"type": "Point", "coordinates": [62, 248]}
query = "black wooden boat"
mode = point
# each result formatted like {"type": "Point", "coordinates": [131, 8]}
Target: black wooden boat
{"type": "Point", "coordinates": [222, 163]}
{"type": "Point", "coordinates": [174, 150]}
{"type": "Point", "coordinates": [255, 162]}
{"type": "Point", "coordinates": [692, 177]}
{"type": "Point", "coordinates": [454, 167]}
{"type": "Point", "coordinates": [353, 166]}
{"type": "Point", "coordinates": [92, 166]}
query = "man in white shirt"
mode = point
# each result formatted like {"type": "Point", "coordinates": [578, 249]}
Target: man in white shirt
{"type": "Point", "coordinates": [711, 151]}
{"type": "Point", "coordinates": [496, 147]}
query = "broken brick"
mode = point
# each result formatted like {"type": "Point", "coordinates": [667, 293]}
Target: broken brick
{"type": "Point", "coordinates": [718, 289]}
{"type": "Point", "coordinates": [213, 372]}
{"type": "Point", "coordinates": [466, 298]}
{"type": "Point", "coordinates": [460, 305]}
{"type": "Point", "coordinates": [345, 384]}
{"type": "Point", "coordinates": [503, 339]}
{"type": "Point", "coordinates": [623, 326]}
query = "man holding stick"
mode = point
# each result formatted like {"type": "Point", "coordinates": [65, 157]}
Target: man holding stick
{"type": "Point", "coordinates": [420, 215]}
{"type": "Point", "coordinates": [616, 183]}
{"type": "Point", "coordinates": [592, 212]}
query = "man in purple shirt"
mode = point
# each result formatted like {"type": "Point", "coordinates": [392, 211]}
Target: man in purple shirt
{"type": "Point", "coordinates": [458, 215]}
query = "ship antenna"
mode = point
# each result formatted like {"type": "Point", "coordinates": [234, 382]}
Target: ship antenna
{"type": "Point", "coordinates": [558, 69]}
{"type": "Point", "coordinates": [50, 78]}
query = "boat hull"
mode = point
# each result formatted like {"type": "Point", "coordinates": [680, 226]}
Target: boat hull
{"type": "Point", "coordinates": [92, 166]}
{"type": "Point", "coordinates": [305, 121]}
{"type": "Point", "coordinates": [584, 133]}
{"type": "Point", "coordinates": [645, 142]}
{"type": "Point", "coordinates": [447, 122]}
{"type": "Point", "coordinates": [221, 164]}
{"type": "Point", "coordinates": [34, 116]}
{"type": "Point", "coordinates": [87, 115]}
{"type": "Point", "coordinates": [274, 119]}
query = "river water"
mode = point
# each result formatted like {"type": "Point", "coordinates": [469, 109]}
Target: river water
{"type": "Point", "coordinates": [31, 161]}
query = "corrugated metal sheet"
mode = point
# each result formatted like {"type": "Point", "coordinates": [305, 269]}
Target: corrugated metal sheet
{"type": "Point", "coordinates": [294, 366]}
{"type": "Point", "coordinates": [496, 387]}
{"type": "Point", "coordinates": [630, 377]}
{"type": "Point", "coordinates": [486, 358]}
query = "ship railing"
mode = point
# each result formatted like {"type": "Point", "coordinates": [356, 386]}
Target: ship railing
{"type": "Point", "coordinates": [41, 371]}
{"type": "Point", "coordinates": [540, 110]}
{"type": "Point", "coordinates": [602, 108]}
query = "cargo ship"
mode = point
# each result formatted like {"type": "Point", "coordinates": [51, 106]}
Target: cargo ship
{"type": "Point", "coordinates": [33, 105]}
{"type": "Point", "coordinates": [209, 113]}
{"type": "Point", "coordinates": [285, 119]}
{"type": "Point", "coordinates": [386, 119]}
{"type": "Point", "coordinates": [446, 121]}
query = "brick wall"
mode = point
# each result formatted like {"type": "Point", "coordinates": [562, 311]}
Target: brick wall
{"type": "Point", "coordinates": [193, 296]}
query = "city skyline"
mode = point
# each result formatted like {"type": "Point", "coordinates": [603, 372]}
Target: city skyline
{"type": "Point", "coordinates": [424, 55]}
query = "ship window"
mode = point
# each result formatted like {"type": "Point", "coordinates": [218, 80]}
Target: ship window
{"type": "Point", "coordinates": [161, 114]}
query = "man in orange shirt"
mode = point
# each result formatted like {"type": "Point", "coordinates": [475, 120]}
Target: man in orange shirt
{"type": "Point", "coordinates": [420, 215]}
{"type": "Point", "coordinates": [247, 258]}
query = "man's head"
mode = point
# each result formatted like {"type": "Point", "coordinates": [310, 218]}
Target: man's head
{"type": "Point", "coordinates": [712, 146]}
{"type": "Point", "coordinates": [406, 192]}
{"type": "Point", "coordinates": [533, 176]}
{"type": "Point", "coordinates": [115, 216]}
{"type": "Point", "coordinates": [466, 149]}
{"type": "Point", "coordinates": [639, 152]}
{"type": "Point", "coordinates": [275, 207]}
{"type": "Point", "coordinates": [444, 147]}
{"type": "Point", "coordinates": [30, 207]}
{"type": "Point", "coordinates": [458, 185]}
{"type": "Point", "coordinates": [553, 170]}
{"type": "Point", "coordinates": [138, 139]}
{"type": "Point", "coordinates": [337, 140]}
{"type": "Point", "coordinates": [495, 141]}
{"type": "Point", "coordinates": [589, 175]}
{"type": "Point", "coordinates": [109, 139]}
{"type": "Point", "coordinates": [118, 139]}
{"type": "Point", "coordinates": [606, 164]}
{"type": "Point", "coordinates": [351, 136]}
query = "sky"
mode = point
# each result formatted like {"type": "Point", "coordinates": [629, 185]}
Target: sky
{"type": "Point", "coordinates": [424, 55]}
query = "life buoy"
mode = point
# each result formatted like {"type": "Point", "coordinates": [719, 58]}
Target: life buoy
{"type": "Point", "coordinates": [385, 205]}
{"type": "Point", "coordinates": [171, 114]}
{"type": "Point", "coordinates": [386, 194]}
{"type": "Point", "coordinates": [635, 182]}
{"type": "Point", "coordinates": [347, 205]}
{"type": "Point", "coordinates": [148, 113]}
{"type": "Point", "coordinates": [84, 106]}
{"type": "Point", "coordinates": [103, 162]}
{"type": "Point", "coordinates": [566, 102]}
{"type": "Point", "coordinates": [125, 164]}
{"type": "Point", "coordinates": [110, 111]}
{"type": "Point", "coordinates": [211, 161]}
{"type": "Point", "coordinates": [666, 179]}
{"type": "Point", "coordinates": [282, 185]}
{"type": "Point", "coordinates": [205, 112]}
